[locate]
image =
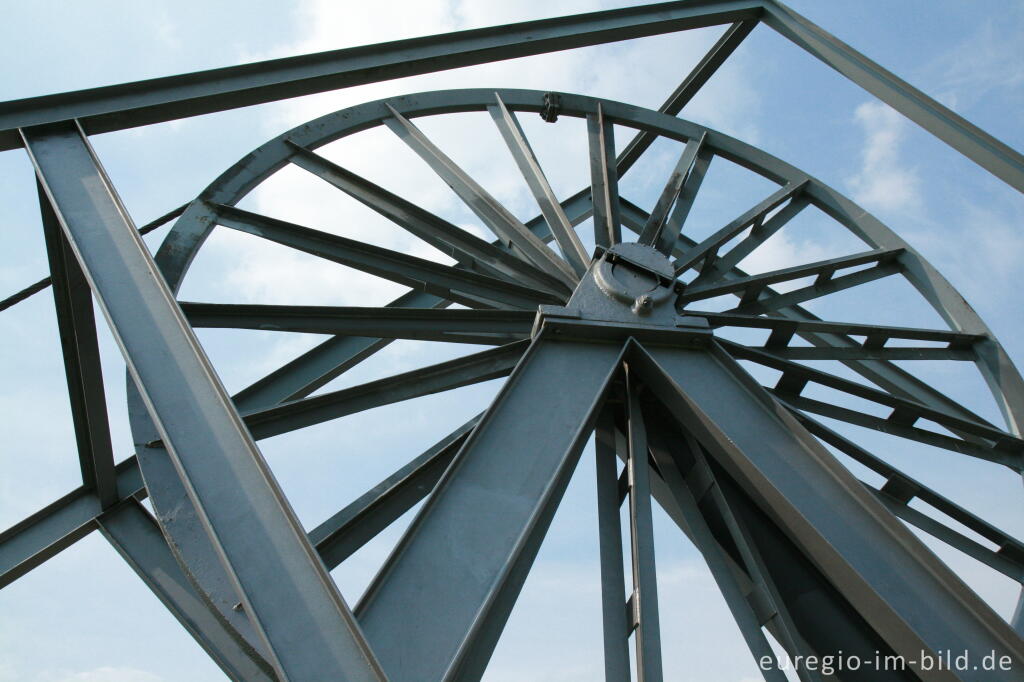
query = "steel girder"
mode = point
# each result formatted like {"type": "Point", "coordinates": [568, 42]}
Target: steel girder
{"type": "Point", "coordinates": [85, 222]}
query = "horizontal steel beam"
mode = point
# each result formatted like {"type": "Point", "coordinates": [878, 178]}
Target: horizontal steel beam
{"type": "Point", "coordinates": [491, 327]}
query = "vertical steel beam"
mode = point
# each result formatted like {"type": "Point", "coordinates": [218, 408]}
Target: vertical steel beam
{"type": "Point", "coordinates": [77, 326]}
{"type": "Point", "coordinates": [306, 625]}
{"type": "Point", "coordinates": [641, 533]}
{"type": "Point", "coordinates": [137, 538]}
{"type": "Point", "coordinates": [438, 605]}
{"type": "Point", "coordinates": [613, 581]}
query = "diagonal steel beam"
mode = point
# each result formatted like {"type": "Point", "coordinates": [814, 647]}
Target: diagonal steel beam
{"type": "Point", "coordinates": [438, 605]}
{"type": "Point", "coordinates": [907, 596]}
{"type": "Point", "coordinates": [137, 538]}
{"type": "Point", "coordinates": [302, 618]}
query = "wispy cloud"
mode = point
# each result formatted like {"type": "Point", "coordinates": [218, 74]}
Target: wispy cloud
{"type": "Point", "coordinates": [884, 182]}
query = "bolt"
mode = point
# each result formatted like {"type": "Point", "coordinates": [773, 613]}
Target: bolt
{"type": "Point", "coordinates": [643, 304]}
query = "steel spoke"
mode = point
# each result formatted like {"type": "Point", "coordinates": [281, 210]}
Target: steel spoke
{"type": "Point", "coordinates": [708, 249]}
{"type": "Point", "coordinates": [1005, 447]}
{"type": "Point", "coordinates": [721, 265]}
{"type": "Point", "coordinates": [655, 232]}
{"type": "Point", "coordinates": [604, 180]}
{"type": "Point", "coordinates": [452, 283]}
{"type": "Point", "coordinates": [750, 289]}
{"type": "Point", "coordinates": [344, 533]}
{"type": "Point", "coordinates": [444, 376]}
{"type": "Point", "coordinates": [489, 327]}
{"type": "Point", "coordinates": [568, 241]}
{"type": "Point", "coordinates": [469, 250]}
{"type": "Point", "coordinates": [493, 214]}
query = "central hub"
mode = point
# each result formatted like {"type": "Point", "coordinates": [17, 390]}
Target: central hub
{"type": "Point", "coordinates": [636, 274]}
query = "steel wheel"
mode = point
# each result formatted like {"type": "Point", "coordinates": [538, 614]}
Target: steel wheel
{"type": "Point", "coordinates": [624, 328]}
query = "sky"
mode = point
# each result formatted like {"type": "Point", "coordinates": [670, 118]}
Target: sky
{"type": "Point", "coordinates": [85, 617]}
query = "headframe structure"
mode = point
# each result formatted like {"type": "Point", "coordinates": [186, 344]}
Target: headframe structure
{"type": "Point", "coordinates": [800, 548]}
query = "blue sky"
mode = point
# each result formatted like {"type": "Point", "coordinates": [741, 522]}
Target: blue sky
{"type": "Point", "coordinates": [84, 617]}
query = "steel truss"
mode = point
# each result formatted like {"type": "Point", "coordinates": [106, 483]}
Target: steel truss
{"type": "Point", "coordinates": [612, 343]}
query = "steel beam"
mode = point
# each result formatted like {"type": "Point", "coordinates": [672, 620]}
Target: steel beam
{"type": "Point", "coordinates": [302, 618]}
{"type": "Point", "coordinates": [438, 605]}
{"type": "Point", "coordinates": [137, 538]}
{"type": "Point", "coordinates": [80, 348]}
{"type": "Point", "coordinates": [912, 600]}
{"type": "Point", "coordinates": [163, 99]}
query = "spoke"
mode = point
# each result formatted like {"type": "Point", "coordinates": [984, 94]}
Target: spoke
{"type": "Point", "coordinates": [652, 234]}
{"type": "Point", "coordinates": [1001, 446]}
{"type": "Point", "coordinates": [750, 289]}
{"type": "Point", "coordinates": [783, 330]}
{"type": "Point", "coordinates": [568, 241]}
{"type": "Point", "coordinates": [440, 602]}
{"type": "Point", "coordinates": [900, 489]}
{"type": "Point", "coordinates": [470, 251]}
{"type": "Point", "coordinates": [708, 249]}
{"type": "Point", "coordinates": [670, 232]}
{"type": "Point", "coordinates": [497, 218]}
{"type": "Point", "coordinates": [344, 533]}
{"type": "Point", "coordinates": [137, 538]}
{"type": "Point", "coordinates": [494, 327]}
{"type": "Point", "coordinates": [862, 353]}
{"type": "Point", "coordinates": [690, 86]}
{"type": "Point", "coordinates": [604, 180]}
{"type": "Point", "coordinates": [721, 265]}
{"type": "Point", "coordinates": [451, 283]}
{"type": "Point", "coordinates": [444, 376]}
{"type": "Point", "coordinates": [869, 557]}
{"type": "Point", "coordinates": [72, 299]}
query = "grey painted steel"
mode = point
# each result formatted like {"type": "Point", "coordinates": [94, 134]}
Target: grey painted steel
{"type": "Point", "coordinates": [471, 369]}
{"type": "Point", "coordinates": [690, 86]}
{"type": "Point", "coordinates": [240, 180]}
{"type": "Point", "coordinates": [345, 532]}
{"type": "Point", "coordinates": [652, 232]}
{"type": "Point", "coordinates": [604, 180]}
{"type": "Point", "coordinates": [641, 533]}
{"type": "Point", "coordinates": [956, 131]}
{"type": "Point", "coordinates": [304, 620]}
{"type": "Point", "coordinates": [716, 558]}
{"type": "Point", "coordinates": [136, 536]}
{"type": "Point", "coordinates": [162, 99]}
{"type": "Point", "coordinates": [613, 582]}
{"type": "Point", "coordinates": [489, 210]}
{"type": "Point", "coordinates": [80, 348]}
{"type": "Point", "coordinates": [57, 526]}
{"type": "Point", "coordinates": [439, 603]}
{"type": "Point", "coordinates": [567, 239]}
{"type": "Point", "coordinates": [451, 283]}
{"type": "Point", "coordinates": [462, 326]}
{"type": "Point", "coordinates": [467, 249]}
{"type": "Point", "coordinates": [910, 598]}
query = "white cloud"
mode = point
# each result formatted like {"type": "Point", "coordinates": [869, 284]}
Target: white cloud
{"type": "Point", "coordinates": [884, 183]}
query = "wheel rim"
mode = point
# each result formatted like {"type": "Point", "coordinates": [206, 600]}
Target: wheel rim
{"type": "Point", "coordinates": [517, 285]}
